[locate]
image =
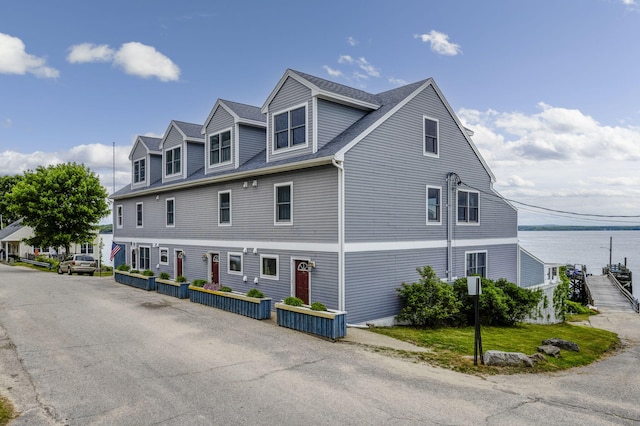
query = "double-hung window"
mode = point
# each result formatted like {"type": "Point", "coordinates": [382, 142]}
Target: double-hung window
{"type": "Point", "coordinates": [290, 128]}
{"type": "Point", "coordinates": [86, 248]}
{"type": "Point", "coordinates": [119, 218]}
{"type": "Point", "coordinates": [433, 205]}
{"type": "Point", "coordinates": [468, 207]}
{"type": "Point", "coordinates": [171, 211]}
{"type": "Point", "coordinates": [220, 148]}
{"type": "Point", "coordinates": [139, 222]}
{"type": "Point", "coordinates": [139, 172]}
{"type": "Point", "coordinates": [283, 204]}
{"type": "Point", "coordinates": [224, 208]}
{"type": "Point", "coordinates": [144, 258]}
{"type": "Point", "coordinates": [430, 137]}
{"type": "Point", "coordinates": [172, 161]}
{"type": "Point", "coordinates": [477, 263]}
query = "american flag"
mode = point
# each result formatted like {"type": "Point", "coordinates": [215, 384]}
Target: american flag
{"type": "Point", "coordinates": [115, 248]}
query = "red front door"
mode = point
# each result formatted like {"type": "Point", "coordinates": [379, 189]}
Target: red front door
{"type": "Point", "coordinates": [178, 263]}
{"type": "Point", "coordinates": [215, 268]}
{"type": "Point", "coordinates": [302, 280]}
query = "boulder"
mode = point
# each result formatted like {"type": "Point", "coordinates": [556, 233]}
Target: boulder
{"type": "Point", "coordinates": [509, 359]}
{"type": "Point", "coordinates": [538, 357]}
{"type": "Point", "coordinates": [554, 351]}
{"type": "Point", "coordinates": [562, 344]}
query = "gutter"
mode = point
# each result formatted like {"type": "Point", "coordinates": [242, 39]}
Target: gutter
{"type": "Point", "coordinates": [341, 261]}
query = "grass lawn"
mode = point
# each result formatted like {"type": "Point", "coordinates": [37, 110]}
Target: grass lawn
{"type": "Point", "coordinates": [453, 346]}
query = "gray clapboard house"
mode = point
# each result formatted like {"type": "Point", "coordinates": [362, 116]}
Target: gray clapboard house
{"type": "Point", "coordinates": [327, 192]}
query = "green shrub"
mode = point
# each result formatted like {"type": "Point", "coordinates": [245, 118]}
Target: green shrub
{"type": "Point", "coordinates": [254, 292]}
{"type": "Point", "coordinates": [181, 279]}
{"type": "Point", "coordinates": [148, 273]}
{"type": "Point", "coordinates": [576, 308]}
{"type": "Point", "coordinates": [429, 302]}
{"type": "Point", "coordinates": [199, 283]}
{"type": "Point", "coordinates": [561, 294]}
{"type": "Point", "coordinates": [293, 301]}
{"type": "Point", "coordinates": [164, 276]}
{"type": "Point", "coordinates": [502, 303]}
{"type": "Point", "coordinates": [226, 289]}
{"type": "Point", "coordinates": [124, 267]}
{"type": "Point", "coordinates": [317, 306]}
{"type": "Point", "coordinates": [134, 271]}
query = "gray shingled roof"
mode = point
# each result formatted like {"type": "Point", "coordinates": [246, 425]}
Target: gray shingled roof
{"type": "Point", "coordinates": [387, 101]}
{"type": "Point", "coordinates": [190, 129]}
{"type": "Point", "coordinates": [10, 229]}
{"type": "Point", "coordinates": [153, 144]}
{"type": "Point", "coordinates": [244, 111]}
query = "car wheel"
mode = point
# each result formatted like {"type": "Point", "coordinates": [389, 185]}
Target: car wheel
{"type": "Point", "coordinates": [59, 270]}
{"type": "Point", "coordinates": [69, 271]}
{"type": "Point", "coordinates": [91, 273]}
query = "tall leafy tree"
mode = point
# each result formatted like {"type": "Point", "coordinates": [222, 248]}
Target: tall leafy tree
{"type": "Point", "coordinates": [6, 185]}
{"type": "Point", "coordinates": [62, 203]}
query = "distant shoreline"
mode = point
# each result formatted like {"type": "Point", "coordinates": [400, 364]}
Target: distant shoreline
{"type": "Point", "coordinates": [577, 228]}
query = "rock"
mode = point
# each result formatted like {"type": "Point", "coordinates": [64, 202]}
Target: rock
{"type": "Point", "coordinates": [538, 357]}
{"type": "Point", "coordinates": [554, 351]}
{"type": "Point", "coordinates": [562, 344]}
{"type": "Point", "coordinates": [510, 359]}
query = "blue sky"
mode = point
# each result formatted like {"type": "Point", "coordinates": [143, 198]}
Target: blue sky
{"type": "Point", "coordinates": [551, 88]}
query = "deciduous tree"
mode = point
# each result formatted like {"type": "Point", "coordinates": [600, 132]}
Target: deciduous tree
{"type": "Point", "coordinates": [6, 185]}
{"type": "Point", "coordinates": [62, 203]}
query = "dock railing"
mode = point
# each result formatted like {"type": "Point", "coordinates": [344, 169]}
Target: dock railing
{"type": "Point", "coordinates": [632, 300]}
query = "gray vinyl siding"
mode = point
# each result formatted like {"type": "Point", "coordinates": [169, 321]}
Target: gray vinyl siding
{"type": "Point", "coordinates": [315, 216]}
{"type": "Point", "coordinates": [291, 94]}
{"type": "Point", "coordinates": [154, 171]}
{"type": "Point", "coordinates": [252, 141]}
{"type": "Point", "coordinates": [333, 119]}
{"type": "Point", "coordinates": [194, 157]}
{"type": "Point", "coordinates": [387, 174]}
{"type": "Point", "coordinates": [373, 277]}
{"type": "Point", "coordinates": [221, 121]}
{"type": "Point", "coordinates": [502, 261]}
{"type": "Point", "coordinates": [531, 270]}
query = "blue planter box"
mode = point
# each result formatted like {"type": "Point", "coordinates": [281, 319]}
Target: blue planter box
{"type": "Point", "coordinates": [135, 280]}
{"type": "Point", "coordinates": [172, 288]}
{"type": "Point", "coordinates": [330, 324]}
{"type": "Point", "coordinates": [232, 302]}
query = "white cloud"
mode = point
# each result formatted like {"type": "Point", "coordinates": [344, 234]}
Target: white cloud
{"type": "Point", "coordinates": [15, 60]}
{"type": "Point", "coordinates": [397, 81]}
{"type": "Point", "coordinates": [362, 64]}
{"type": "Point", "coordinates": [629, 2]}
{"type": "Point", "coordinates": [145, 61]}
{"type": "Point", "coordinates": [440, 43]}
{"type": "Point", "coordinates": [352, 41]}
{"type": "Point", "coordinates": [367, 67]}
{"type": "Point", "coordinates": [332, 72]}
{"type": "Point", "coordinates": [87, 52]}
{"type": "Point", "coordinates": [559, 158]}
{"type": "Point", "coordinates": [133, 58]}
{"type": "Point", "coordinates": [345, 59]}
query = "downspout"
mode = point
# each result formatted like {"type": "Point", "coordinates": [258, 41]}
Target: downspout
{"type": "Point", "coordinates": [453, 180]}
{"type": "Point", "coordinates": [341, 273]}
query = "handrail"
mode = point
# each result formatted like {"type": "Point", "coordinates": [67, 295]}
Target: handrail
{"type": "Point", "coordinates": [625, 293]}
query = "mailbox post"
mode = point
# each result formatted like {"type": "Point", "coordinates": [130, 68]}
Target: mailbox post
{"type": "Point", "coordinates": [475, 289]}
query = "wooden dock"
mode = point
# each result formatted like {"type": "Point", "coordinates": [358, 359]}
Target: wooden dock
{"type": "Point", "coordinates": [605, 294]}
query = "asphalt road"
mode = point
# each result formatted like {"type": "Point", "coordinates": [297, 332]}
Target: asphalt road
{"type": "Point", "coordinates": [82, 350]}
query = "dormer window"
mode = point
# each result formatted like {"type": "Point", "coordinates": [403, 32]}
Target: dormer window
{"type": "Point", "coordinates": [172, 161]}
{"type": "Point", "coordinates": [220, 148]}
{"type": "Point", "coordinates": [139, 171]}
{"type": "Point", "coordinates": [290, 128]}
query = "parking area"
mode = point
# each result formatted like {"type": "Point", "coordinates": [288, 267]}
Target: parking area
{"type": "Point", "coordinates": [85, 350]}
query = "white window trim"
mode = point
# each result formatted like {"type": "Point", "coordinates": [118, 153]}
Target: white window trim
{"type": "Point", "coordinates": [439, 222]}
{"type": "Point", "coordinates": [230, 208]}
{"type": "Point", "coordinates": [270, 277]}
{"type": "Point", "coordinates": [486, 260]}
{"type": "Point", "coordinates": [164, 161]}
{"type": "Point", "coordinates": [119, 216]}
{"type": "Point", "coordinates": [166, 202]}
{"type": "Point", "coordinates": [140, 268]}
{"type": "Point", "coordinates": [272, 130]}
{"type": "Point", "coordinates": [233, 253]}
{"type": "Point", "coordinates": [141, 215]}
{"type": "Point", "coordinates": [275, 204]}
{"type": "Point", "coordinates": [467, 223]}
{"type": "Point", "coordinates": [424, 145]}
{"type": "Point", "coordinates": [231, 147]}
{"type": "Point", "coordinates": [160, 250]}
{"type": "Point", "coordinates": [133, 168]}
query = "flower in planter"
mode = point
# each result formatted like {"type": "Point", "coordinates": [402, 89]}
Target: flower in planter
{"type": "Point", "coordinates": [212, 286]}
